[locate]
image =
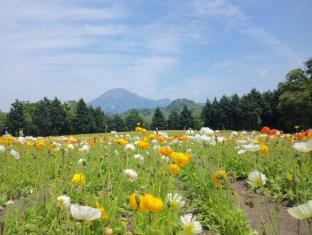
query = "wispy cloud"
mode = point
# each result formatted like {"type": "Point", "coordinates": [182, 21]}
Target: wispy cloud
{"type": "Point", "coordinates": [234, 18]}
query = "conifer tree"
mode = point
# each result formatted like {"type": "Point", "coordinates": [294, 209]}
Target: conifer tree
{"type": "Point", "coordinates": [158, 120]}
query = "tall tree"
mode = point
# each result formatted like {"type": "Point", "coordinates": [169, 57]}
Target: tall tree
{"type": "Point", "coordinates": [42, 117]}
{"type": "Point", "coordinates": [186, 119]}
{"type": "Point", "coordinates": [16, 118]}
{"type": "Point", "coordinates": [81, 122]}
{"type": "Point", "coordinates": [100, 120]}
{"type": "Point", "coordinates": [3, 117]}
{"type": "Point", "coordinates": [295, 99]}
{"type": "Point", "coordinates": [225, 112]}
{"type": "Point", "coordinates": [173, 120]}
{"type": "Point", "coordinates": [57, 117]}
{"type": "Point", "coordinates": [132, 119]}
{"type": "Point", "coordinates": [207, 114]}
{"type": "Point", "coordinates": [117, 124]}
{"type": "Point", "coordinates": [158, 120]}
{"type": "Point", "coordinates": [235, 112]}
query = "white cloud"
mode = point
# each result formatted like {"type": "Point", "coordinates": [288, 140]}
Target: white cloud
{"type": "Point", "coordinates": [220, 9]}
{"type": "Point", "coordinates": [236, 19]}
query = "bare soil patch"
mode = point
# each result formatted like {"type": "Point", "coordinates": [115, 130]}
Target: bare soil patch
{"type": "Point", "coordinates": [257, 213]}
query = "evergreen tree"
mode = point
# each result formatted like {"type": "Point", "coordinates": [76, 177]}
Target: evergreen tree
{"type": "Point", "coordinates": [69, 119]}
{"type": "Point", "coordinates": [158, 120]}
{"type": "Point", "coordinates": [207, 114]}
{"type": "Point", "coordinates": [3, 121]}
{"type": "Point", "coordinates": [30, 128]}
{"type": "Point", "coordinates": [225, 112]}
{"type": "Point", "coordinates": [235, 112]}
{"type": "Point", "coordinates": [173, 120]}
{"type": "Point", "coordinates": [215, 114]}
{"type": "Point", "coordinates": [117, 124]}
{"type": "Point", "coordinates": [16, 118]}
{"type": "Point", "coordinates": [42, 117]}
{"type": "Point", "coordinates": [132, 119]}
{"type": "Point", "coordinates": [57, 117]}
{"type": "Point", "coordinates": [81, 122]}
{"type": "Point", "coordinates": [186, 119]}
{"type": "Point", "coordinates": [269, 109]}
{"type": "Point", "coordinates": [100, 120]}
{"type": "Point", "coordinates": [92, 122]}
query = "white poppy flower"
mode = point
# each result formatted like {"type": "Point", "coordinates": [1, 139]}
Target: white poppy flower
{"type": "Point", "coordinates": [206, 131]}
{"type": "Point", "coordinates": [175, 200]}
{"type": "Point", "coordinates": [129, 147]}
{"type": "Point", "coordinates": [84, 148]}
{"type": "Point", "coordinates": [84, 212]}
{"type": "Point", "coordinates": [242, 151]}
{"type": "Point", "coordinates": [138, 157]}
{"type": "Point", "coordinates": [21, 140]}
{"type": "Point", "coordinates": [2, 148]}
{"type": "Point", "coordinates": [63, 201]}
{"type": "Point", "coordinates": [82, 161]}
{"type": "Point", "coordinates": [131, 174]}
{"type": "Point", "coordinates": [251, 147]}
{"type": "Point", "coordinates": [70, 146]}
{"type": "Point", "coordinates": [304, 147]}
{"type": "Point", "coordinates": [256, 179]}
{"type": "Point", "coordinates": [15, 154]}
{"type": "Point", "coordinates": [165, 158]}
{"type": "Point", "coordinates": [204, 139]}
{"type": "Point", "coordinates": [303, 211]}
{"type": "Point", "coordinates": [190, 225]}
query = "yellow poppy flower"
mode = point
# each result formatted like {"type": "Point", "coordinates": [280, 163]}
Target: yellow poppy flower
{"type": "Point", "coordinates": [79, 179]}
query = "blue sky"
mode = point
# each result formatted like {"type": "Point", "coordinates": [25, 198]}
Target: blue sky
{"type": "Point", "coordinates": [194, 49]}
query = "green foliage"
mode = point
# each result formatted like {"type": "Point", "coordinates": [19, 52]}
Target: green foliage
{"type": "Point", "coordinates": [186, 120]}
{"type": "Point", "coordinates": [173, 120]}
{"type": "Point", "coordinates": [132, 119]}
{"type": "Point", "coordinates": [83, 121]}
{"type": "Point", "coordinates": [159, 120]}
{"type": "Point", "coordinates": [42, 117]}
{"type": "Point", "coordinates": [16, 118]}
{"type": "Point", "coordinates": [295, 99]}
{"type": "Point", "coordinates": [3, 120]}
{"type": "Point", "coordinates": [117, 124]}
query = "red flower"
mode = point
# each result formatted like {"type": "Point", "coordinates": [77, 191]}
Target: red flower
{"type": "Point", "coordinates": [265, 130]}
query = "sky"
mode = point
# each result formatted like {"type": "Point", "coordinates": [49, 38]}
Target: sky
{"type": "Point", "coordinates": [195, 49]}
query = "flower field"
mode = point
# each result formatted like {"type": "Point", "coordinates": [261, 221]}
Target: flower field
{"type": "Point", "coordinates": [144, 182]}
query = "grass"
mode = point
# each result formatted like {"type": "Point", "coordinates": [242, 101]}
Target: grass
{"type": "Point", "coordinates": [43, 173]}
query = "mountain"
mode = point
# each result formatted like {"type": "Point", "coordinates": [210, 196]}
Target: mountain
{"type": "Point", "coordinates": [119, 100]}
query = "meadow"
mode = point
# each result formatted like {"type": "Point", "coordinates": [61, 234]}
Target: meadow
{"type": "Point", "coordinates": [169, 182]}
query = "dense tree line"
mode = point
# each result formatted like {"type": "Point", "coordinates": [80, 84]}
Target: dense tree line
{"type": "Point", "coordinates": [289, 105]}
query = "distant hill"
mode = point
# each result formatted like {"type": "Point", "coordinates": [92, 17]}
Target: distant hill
{"type": "Point", "coordinates": [176, 105]}
{"type": "Point", "coordinates": [119, 100]}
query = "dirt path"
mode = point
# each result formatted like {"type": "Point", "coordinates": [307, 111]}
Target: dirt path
{"type": "Point", "coordinates": [287, 224]}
